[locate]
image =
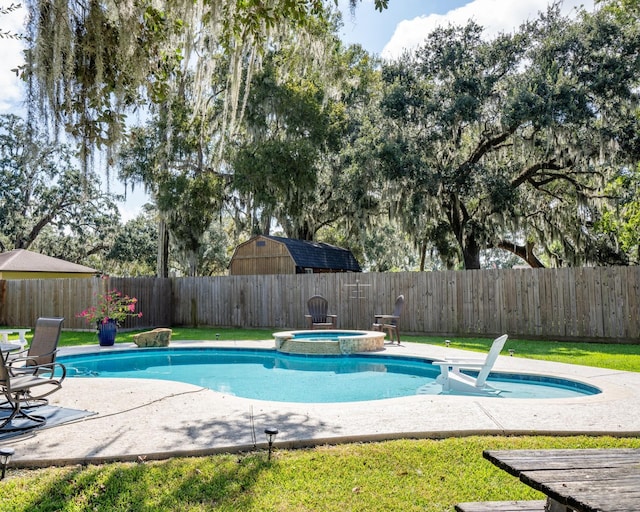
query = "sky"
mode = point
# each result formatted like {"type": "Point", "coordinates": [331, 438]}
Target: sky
{"type": "Point", "coordinates": [404, 25]}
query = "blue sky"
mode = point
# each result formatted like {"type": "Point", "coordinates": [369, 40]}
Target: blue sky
{"type": "Point", "coordinates": [373, 29]}
{"type": "Point", "coordinates": [406, 22]}
{"type": "Point", "coordinates": [403, 25]}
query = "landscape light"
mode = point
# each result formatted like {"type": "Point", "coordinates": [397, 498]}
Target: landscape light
{"type": "Point", "coordinates": [5, 457]}
{"type": "Point", "coordinates": [271, 435]}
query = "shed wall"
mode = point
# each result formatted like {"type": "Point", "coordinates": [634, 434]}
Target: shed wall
{"type": "Point", "coordinates": [261, 256]}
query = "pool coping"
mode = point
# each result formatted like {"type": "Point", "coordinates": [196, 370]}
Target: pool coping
{"type": "Point", "coordinates": [148, 419]}
{"type": "Point", "coordinates": [346, 342]}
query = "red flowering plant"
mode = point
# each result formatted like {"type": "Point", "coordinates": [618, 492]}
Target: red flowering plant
{"type": "Point", "coordinates": [112, 305]}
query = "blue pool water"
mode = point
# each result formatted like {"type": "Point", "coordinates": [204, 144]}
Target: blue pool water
{"type": "Point", "coordinates": [324, 335]}
{"type": "Point", "coordinates": [270, 375]}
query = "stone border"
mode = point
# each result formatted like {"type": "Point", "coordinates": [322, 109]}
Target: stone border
{"type": "Point", "coordinates": [355, 341]}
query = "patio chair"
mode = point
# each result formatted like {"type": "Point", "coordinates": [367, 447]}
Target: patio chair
{"type": "Point", "coordinates": [452, 378]}
{"type": "Point", "coordinates": [44, 345]}
{"type": "Point", "coordinates": [21, 389]}
{"type": "Point", "coordinates": [38, 359]}
{"type": "Point", "coordinates": [318, 318]}
{"type": "Point", "coordinates": [389, 323]}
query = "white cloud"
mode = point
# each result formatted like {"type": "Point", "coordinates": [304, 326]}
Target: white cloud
{"type": "Point", "coordinates": [494, 15]}
{"type": "Point", "coordinates": [11, 57]}
{"type": "Point", "coordinates": [132, 206]}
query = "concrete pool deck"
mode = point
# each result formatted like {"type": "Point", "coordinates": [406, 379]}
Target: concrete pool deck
{"type": "Point", "coordinates": [159, 419]}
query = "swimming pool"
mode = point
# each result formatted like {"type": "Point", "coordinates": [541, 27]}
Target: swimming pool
{"type": "Point", "coordinates": [274, 376]}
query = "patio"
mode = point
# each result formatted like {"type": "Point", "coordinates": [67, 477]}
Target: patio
{"type": "Point", "coordinates": [150, 419]}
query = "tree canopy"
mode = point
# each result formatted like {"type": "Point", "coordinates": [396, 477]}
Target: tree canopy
{"type": "Point", "coordinates": [43, 193]}
{"type": "Point", "coordinates": [256, 117]}
{"type": "Point", "coordinates": [509, 143]}
{"type": "Point", "coordinates": [290, 160]}
{"type": "Point", "coordinates": [89, 63]}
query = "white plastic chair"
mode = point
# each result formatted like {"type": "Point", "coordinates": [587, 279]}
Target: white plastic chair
{"type": "Point", "coordinates": [453, 379]}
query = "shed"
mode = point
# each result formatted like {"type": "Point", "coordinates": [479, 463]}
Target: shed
{"type": "Point", "coordinates": [265, 254]}
{"type": "Point", "coordinates": [23, 264]}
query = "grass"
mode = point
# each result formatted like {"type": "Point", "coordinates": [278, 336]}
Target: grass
{"type": "Point", "coordinates": [405, 475]}
{"type": "Point", "coordinates": [72, 338]}
{"type": "Point", "coordinates": [625, 357]}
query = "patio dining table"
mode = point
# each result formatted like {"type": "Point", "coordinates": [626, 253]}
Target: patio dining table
{"type": "Point", "coordinates": [583, 480]}
{"type": "Point", "coordinates": [4, 335]}
{"type": "Point", "coordinates": [7, 348]}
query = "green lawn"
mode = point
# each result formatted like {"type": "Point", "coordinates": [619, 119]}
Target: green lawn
{"type": "Point", "coordinates": [404, 475]}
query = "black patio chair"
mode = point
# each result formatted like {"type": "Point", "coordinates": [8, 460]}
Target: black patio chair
{"type": "Point", "coordinates": [22, 389]}
{"type": "Point", "coordinates": [389, 323]}
{"type": "Point", "coordinates": [318, 318]}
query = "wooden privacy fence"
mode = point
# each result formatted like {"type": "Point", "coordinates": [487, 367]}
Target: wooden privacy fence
{"type": "Point", "coordinates": [23, 301]}
{"type": "Point", "coordinates": [600, 303]}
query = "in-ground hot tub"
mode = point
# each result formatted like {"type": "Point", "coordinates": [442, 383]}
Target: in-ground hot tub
{"type": "Point", "coordinates": [328, 341]}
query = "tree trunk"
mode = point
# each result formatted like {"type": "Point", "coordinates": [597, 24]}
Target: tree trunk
{"type": "Point", "coordinates": [423, 255]}
{"type": "Point", "coordinates": [192, 259]}
{"type": "Point", "coordinates": [471, 253]}
{"type": "Point", "coordinates": [304, 232]}
{"type": "Point", "coordinates": [162, 265]}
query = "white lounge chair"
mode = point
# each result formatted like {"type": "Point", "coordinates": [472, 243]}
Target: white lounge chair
{"type": "Point", "coordinates": [454, 380]}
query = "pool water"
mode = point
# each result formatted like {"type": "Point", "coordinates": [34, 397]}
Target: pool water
{"type": "Point", "coordinates": [270, 375]}
{"type": "Point", "coordinates": [323, 335]}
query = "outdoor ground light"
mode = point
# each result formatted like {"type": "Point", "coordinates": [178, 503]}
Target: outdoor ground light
{"type": "Point", "coordinates": [447, 342]}
{"type": "Point", "coordinates": [511, 352]}
{"type": "Point", "coordinates": [271, 435]}
{"type": "Point", "coordinates": [5, 457]}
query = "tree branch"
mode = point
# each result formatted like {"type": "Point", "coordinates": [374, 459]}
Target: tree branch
{"type": "Point", "coordinates": [487, 144]}
{"type": "Point", "coordinates": [522, 251]}
{"type": "Point", "coordinates": [528, 173]}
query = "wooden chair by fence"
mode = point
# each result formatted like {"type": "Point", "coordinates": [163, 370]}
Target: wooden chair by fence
{"type": "Point", "coordinates": [318, 318]}
{"type": "Point", "coordinates": [389, 323]}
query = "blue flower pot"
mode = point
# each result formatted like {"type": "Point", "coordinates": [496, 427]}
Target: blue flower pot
{"type": "Point", "coordinates": [107, 332]}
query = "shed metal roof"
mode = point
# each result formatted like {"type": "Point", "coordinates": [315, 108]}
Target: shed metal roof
{"type": "Point", "coordinates": [308, 254]}
{"type": "Point", "coordinates": [21, 260]}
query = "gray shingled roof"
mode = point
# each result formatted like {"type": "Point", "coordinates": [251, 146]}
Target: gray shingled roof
{"type": "Point", "coordinates": [308, 254]}
{"type": "Point", "coordinates": [21, 260]}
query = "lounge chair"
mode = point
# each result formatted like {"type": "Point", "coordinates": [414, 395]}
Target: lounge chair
{"type": "Point", "coordinates": [389, 323]}
{"type": "Point", "coordinates": [21, 389]}
{"type": "Point", "coordinates": [453, 379]}
{"type": "Point", "coordinates": [318, 317]}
